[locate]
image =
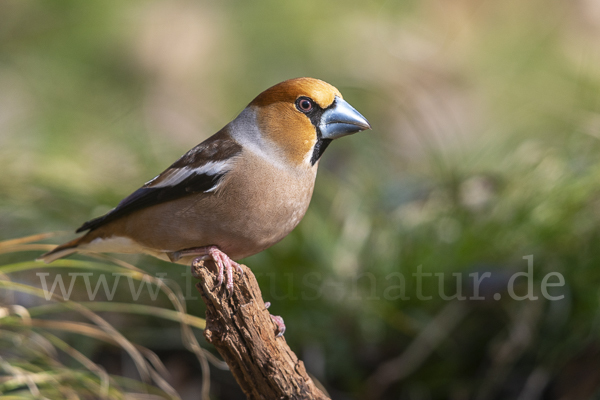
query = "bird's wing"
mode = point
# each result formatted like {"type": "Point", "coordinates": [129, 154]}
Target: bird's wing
{"type": "Point", "coordinates": [200, 170]}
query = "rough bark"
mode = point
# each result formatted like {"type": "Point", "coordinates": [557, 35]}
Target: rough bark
{"type": "Point", "coordinates": [242, 331]}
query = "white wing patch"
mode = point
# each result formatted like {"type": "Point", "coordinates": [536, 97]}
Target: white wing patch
{"type": "Point", "coordinates": [178, 175]}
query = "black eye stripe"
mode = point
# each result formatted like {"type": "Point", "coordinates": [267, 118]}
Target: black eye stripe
{"type": "Point", "coordinates": [314, 113]}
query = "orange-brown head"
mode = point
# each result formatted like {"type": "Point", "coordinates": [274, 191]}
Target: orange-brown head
{"type": "Point", "coordinates": [301, 116]}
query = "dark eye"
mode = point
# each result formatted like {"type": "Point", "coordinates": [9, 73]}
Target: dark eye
{"type": "Point", "coordinates": [304, 104]}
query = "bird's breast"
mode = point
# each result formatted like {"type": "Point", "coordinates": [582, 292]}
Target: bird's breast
{"type": "Point", "coordinates": [257, 213]}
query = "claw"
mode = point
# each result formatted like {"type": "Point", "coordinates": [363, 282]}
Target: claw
{"type": "Point", "coordinates": [225, 265]}
{"type": "Point", "coordinates": [222, 261]}
{"type": "Point", "coordinates": [229, 285]}
{"type": "Point", "coordinates": [278, 321]}
{"type": "Point", "coordinates": [239, 268]}
{"type": "Point", "coordinates": [280, 325]}
{"type": "Point", "coordinates": [216, 256]}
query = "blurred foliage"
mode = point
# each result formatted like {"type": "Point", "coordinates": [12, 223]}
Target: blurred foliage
{"type": "Point", "coordinates": [484, 150]}
{"type": "Point", "coordinates": [37, 364]}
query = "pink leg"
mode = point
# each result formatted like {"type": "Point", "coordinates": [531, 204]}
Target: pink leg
{"type": "Point", "coordinates": [278, 321]}
{"type": "Point", "coordinates": [222, 261]}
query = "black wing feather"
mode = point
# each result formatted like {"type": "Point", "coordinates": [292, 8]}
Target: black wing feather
{"type": "Point", "coordinates": [146, 197]}
{"type": "Point", "coordinates": [216, 148]}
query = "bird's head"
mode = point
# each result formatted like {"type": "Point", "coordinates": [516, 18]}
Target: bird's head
{"type": "Point", "coordinates": [302, 116]}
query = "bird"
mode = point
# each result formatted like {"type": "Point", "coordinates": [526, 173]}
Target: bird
{"type": "Point", "coordinates": [237, 193]}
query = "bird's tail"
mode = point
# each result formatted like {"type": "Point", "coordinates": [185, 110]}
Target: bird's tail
{"type": "Point", "coordinates": [61, 251]}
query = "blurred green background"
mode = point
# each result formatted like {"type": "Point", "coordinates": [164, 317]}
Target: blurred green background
{"type": "Point", "coordinates": [484, 149]}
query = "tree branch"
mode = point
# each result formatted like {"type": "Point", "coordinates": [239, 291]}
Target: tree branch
{"type": "Point", "coordinates": [241, 329]}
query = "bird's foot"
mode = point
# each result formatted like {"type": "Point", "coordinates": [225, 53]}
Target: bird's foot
{"type": "Point", "coordinates": [224, 264]}
{"type": "Point", "coordinates": [222, 261]}
{"type": "Point", "coordinates": [278, 321]}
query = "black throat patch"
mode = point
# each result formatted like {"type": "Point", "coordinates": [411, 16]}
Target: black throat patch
{"type": "Point", "coordinates": [319, 148]}
{"type": "Point", "coordinates": [315, 118]}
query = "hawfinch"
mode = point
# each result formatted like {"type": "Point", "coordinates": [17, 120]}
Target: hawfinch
{"type": "Point", "coordinates": [237, 193]}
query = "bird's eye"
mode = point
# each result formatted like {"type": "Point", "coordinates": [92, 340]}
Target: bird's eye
{"type": "Point", "coordinates": [304, 104]}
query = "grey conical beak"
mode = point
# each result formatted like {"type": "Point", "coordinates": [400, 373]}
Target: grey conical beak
{"type": "Point", "coordinates": [341, 119]}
